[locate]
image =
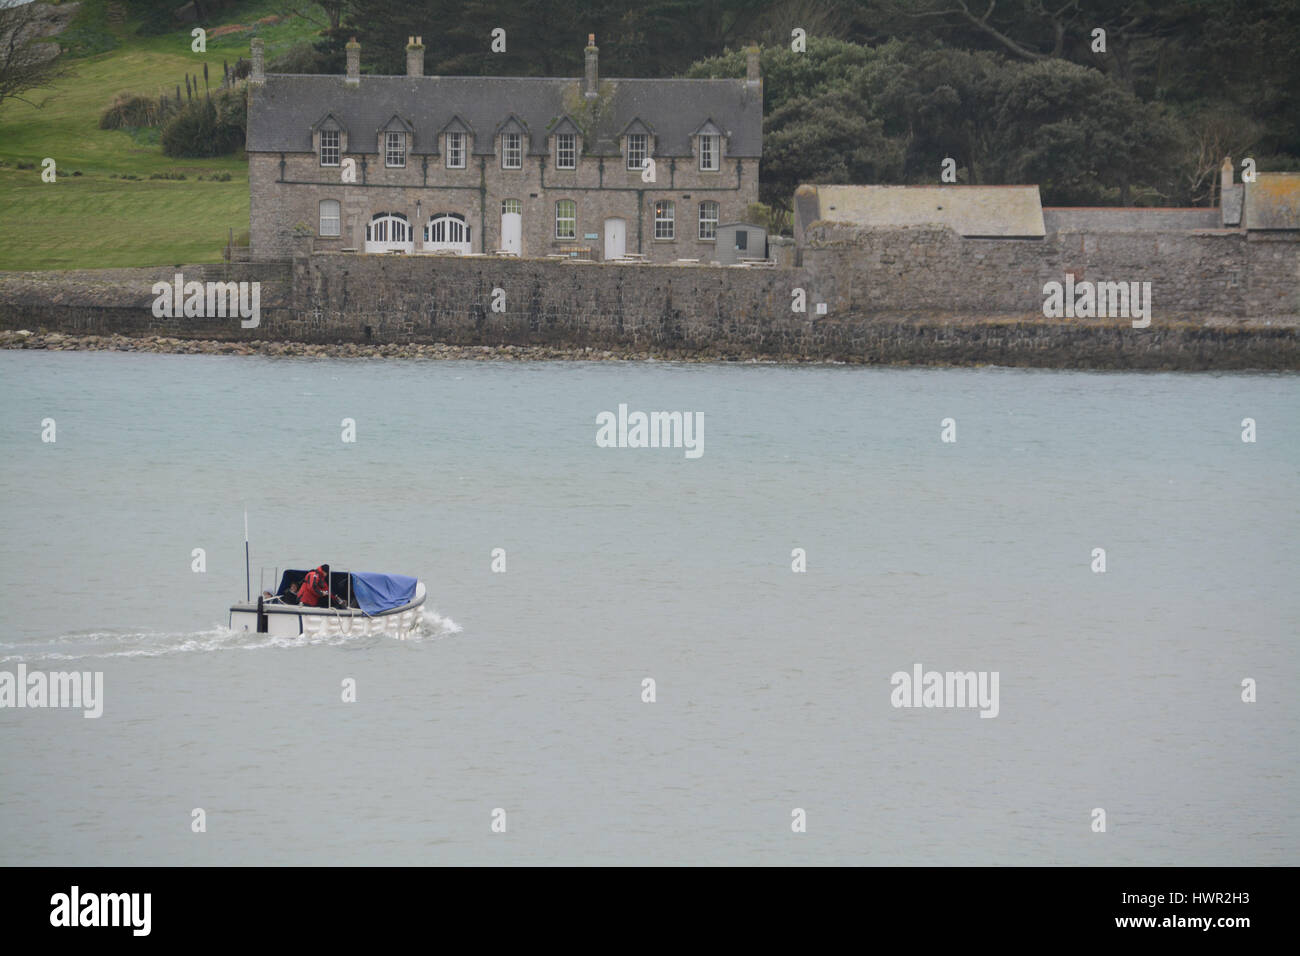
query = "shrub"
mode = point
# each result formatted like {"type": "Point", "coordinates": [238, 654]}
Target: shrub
{"type": "Point", "coordinates": [211, 126]}
{"type": "Point", "coordinates": [131, 111]}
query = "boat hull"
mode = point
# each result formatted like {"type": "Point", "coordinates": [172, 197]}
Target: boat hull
{"type": "Point", "coordinates": [284, 620]}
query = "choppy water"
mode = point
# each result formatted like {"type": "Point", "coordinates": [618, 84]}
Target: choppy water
{"type": "Point", "coordinates": [1118, 690]}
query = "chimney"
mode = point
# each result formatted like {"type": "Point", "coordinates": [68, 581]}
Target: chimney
{"type": "Point", "coordinates": [354, 62]}
{"type": "Point", "coordinates": [753, 77]}
{"type": "Point", "coordinates": [591, 81]}
{"type": "Point", "coordinates": [257, 74]}
{"type": "Point", "coordinates": [415, 56]}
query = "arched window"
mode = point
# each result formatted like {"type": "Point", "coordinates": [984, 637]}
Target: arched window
{"type": "Point", "coordinates": [329, 217]}
{"type": "Point", "coordinates": [708, 220]}
{"type": "Point", "coordinates": [388, 232]}
{"type": "Point", "coordinates": [447, 232]}
{"type": "Point", "coordinates": [566, 219]}
{"type": "Point", "coordinates": [664, 224]}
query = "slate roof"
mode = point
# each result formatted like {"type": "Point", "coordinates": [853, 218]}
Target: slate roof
{"type": "Point", "coordinates": [975, 211]}
{"type": "Point", "coordinates": [283, 109]}
{"type": "Point", "coordinates": [1273, 201]}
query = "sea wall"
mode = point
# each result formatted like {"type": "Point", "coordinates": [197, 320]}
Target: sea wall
{"type": "Point", "coordinates": [914, 295]}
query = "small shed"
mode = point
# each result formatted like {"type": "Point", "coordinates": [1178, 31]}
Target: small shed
{"type": "Point", "coordinates": [737, 241]}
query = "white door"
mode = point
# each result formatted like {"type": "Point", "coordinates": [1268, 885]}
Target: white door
{"type": "Point", "coordinates": [389, 232]}
{"type": "Point", "coordinates": [615, 238]}
{"type": "Point", "coordinates": [512, 232]}
{"type": "Point", "coordinates": [447, 231]}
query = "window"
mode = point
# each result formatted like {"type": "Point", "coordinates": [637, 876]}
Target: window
{"type": "Point", "coordinates": [566, 151]}
{"type": "Point", "coordinates": [742, 240]}
{"type": "Point", "coordinates": [395, 149]}
{"type": "Point", "coordinates": [637, 150]}
{"type": "Point", "coordinates": [708, 220]}
{"type": "Point", "coordinates": [329, 147]}
{"type": "Point", "coordinates": [709, 151]}
{"type": "Point", "coordinates": [388, 227]}
{"type": "Point", "coordinates": [455, 150]}
{"type": "Point", "coordinates": [512, 151]}
{"type": "Point", "coordinates": [664, 219]}
{"type": "Point", "coordinates": [447, 227]}
{"type": "Point", "coordinates": [509, 206]}
{"type": "Point", "coordinates": [329, 217]}
{"type": "Point", "coordinates": [566, 219]}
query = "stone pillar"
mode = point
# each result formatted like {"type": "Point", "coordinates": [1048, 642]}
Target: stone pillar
{"type": "Point", "coordinates": [415, 56]}
{"type": "Point", "coordinates": [354, 62]}
{"type": "Point", "coordinates": [591, 81]}
{"type": "Point", "coordinates": [257, 73]}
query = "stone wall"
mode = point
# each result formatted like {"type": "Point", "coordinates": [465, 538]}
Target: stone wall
{"type": "Point", "coordinates": [912, 295]}
{"type": "Point", "coordinates": [1128, 219]}
{"type": "Point", "coordinates": [1199, 277]}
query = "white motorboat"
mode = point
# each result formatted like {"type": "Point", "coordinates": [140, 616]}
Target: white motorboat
{"type": "Point", "coordinates": [360, 604]}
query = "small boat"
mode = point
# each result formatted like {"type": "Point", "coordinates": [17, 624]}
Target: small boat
{"type": "Point", "coordinates": [388, 604]}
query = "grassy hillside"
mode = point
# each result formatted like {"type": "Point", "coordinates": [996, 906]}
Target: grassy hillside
{"type": "Point", "coordinates": [98, 218]}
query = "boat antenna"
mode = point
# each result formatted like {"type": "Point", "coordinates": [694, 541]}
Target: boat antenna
{"type": "Point", "coordinates": [248, 568]}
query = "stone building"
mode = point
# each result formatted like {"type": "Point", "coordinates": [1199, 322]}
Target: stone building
{"type": "Point", "coordinates": [532, 166]}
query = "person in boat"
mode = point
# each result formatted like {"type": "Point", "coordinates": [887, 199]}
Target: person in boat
{"type": "Point", "coordinates": [315, 588]}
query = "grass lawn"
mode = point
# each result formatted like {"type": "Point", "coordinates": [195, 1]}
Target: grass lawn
{"type": "Point", "coordinates": [98, 220]}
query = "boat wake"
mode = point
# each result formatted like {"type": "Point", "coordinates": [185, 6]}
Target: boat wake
{"type": "Point", "coordinates": [82, 645]}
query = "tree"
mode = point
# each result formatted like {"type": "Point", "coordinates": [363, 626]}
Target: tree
{"type": "Point", "coordinates": [29, 59]}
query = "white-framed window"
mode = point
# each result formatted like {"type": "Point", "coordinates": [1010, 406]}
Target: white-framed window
{"type": "Point", "coordinates": [664, 228]}
{"type": "Point", "coordinates": [638, 147]}
{"type": "Point", "coordinates": [512, 151]}
{"type": "Point", "coordinates": [455, 151]}
{"type": "Point", "coordinates": [395, 150]}
{"type": "Point", "coordinates": [329, 147]}
{"type": "Point", "coordinates": [509, 206]}
{"type": "Point", "coordinates": [329, 217]}
{"type": "Point", "coordinates": [709, 152]}
{"type": "Point", "coordinates": [566, 151]}
{"type": "Point", "coordinates": [708, 220]}
{"type": "Point", "coordinates": [566, 219]}
{"type": "Point", "coordinates": [388, 227]}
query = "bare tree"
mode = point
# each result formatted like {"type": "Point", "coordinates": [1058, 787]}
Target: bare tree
{"type": "Point", "coordinates": [29, 59]}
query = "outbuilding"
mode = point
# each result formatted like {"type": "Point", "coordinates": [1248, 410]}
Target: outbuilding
{"type": "Point", "coordinates": [738, 241]}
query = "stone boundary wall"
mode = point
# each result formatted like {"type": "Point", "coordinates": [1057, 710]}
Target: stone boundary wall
{"type": "Point", "coordinates": [1118, 219]}
{"type": "Point", "coordinates": [912, 295]}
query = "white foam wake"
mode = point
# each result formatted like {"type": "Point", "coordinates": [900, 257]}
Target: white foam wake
{"type": "Point", "coordinates": [82, 645]}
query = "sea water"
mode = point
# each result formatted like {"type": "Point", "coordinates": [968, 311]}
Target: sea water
{"type": "Point", "coordinates": [635, 656]}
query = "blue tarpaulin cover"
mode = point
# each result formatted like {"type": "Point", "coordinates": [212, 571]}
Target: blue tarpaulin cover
{"type": "Point", "coordinates": [376, 593]}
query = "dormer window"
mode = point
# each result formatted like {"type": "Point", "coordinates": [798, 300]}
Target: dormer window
{"type": "Point", "coordinates": [566, 151]}
{"type": "Point", "coordinates": [329, 147]}
{"type": "Point", "coordinates": [395, 150]}
{"type": "Point", "coordinates": [638, 148]}
{"type": "Point", "coordinates": [455, 153]}
{"type": "Point", "coordinates": [710, 151]}
{"type": "Point", "coordinates": [512, 151]}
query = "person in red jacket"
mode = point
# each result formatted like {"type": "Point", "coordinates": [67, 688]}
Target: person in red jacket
{"type": "Point", "coordinates": [315, 588]}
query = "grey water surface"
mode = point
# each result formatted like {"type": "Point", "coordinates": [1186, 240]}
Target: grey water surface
{"type": "Point", "coordinates": [524, 691]}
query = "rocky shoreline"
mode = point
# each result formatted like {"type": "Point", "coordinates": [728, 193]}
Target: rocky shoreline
{"type": "Point", "coordinates": [61, 342]}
